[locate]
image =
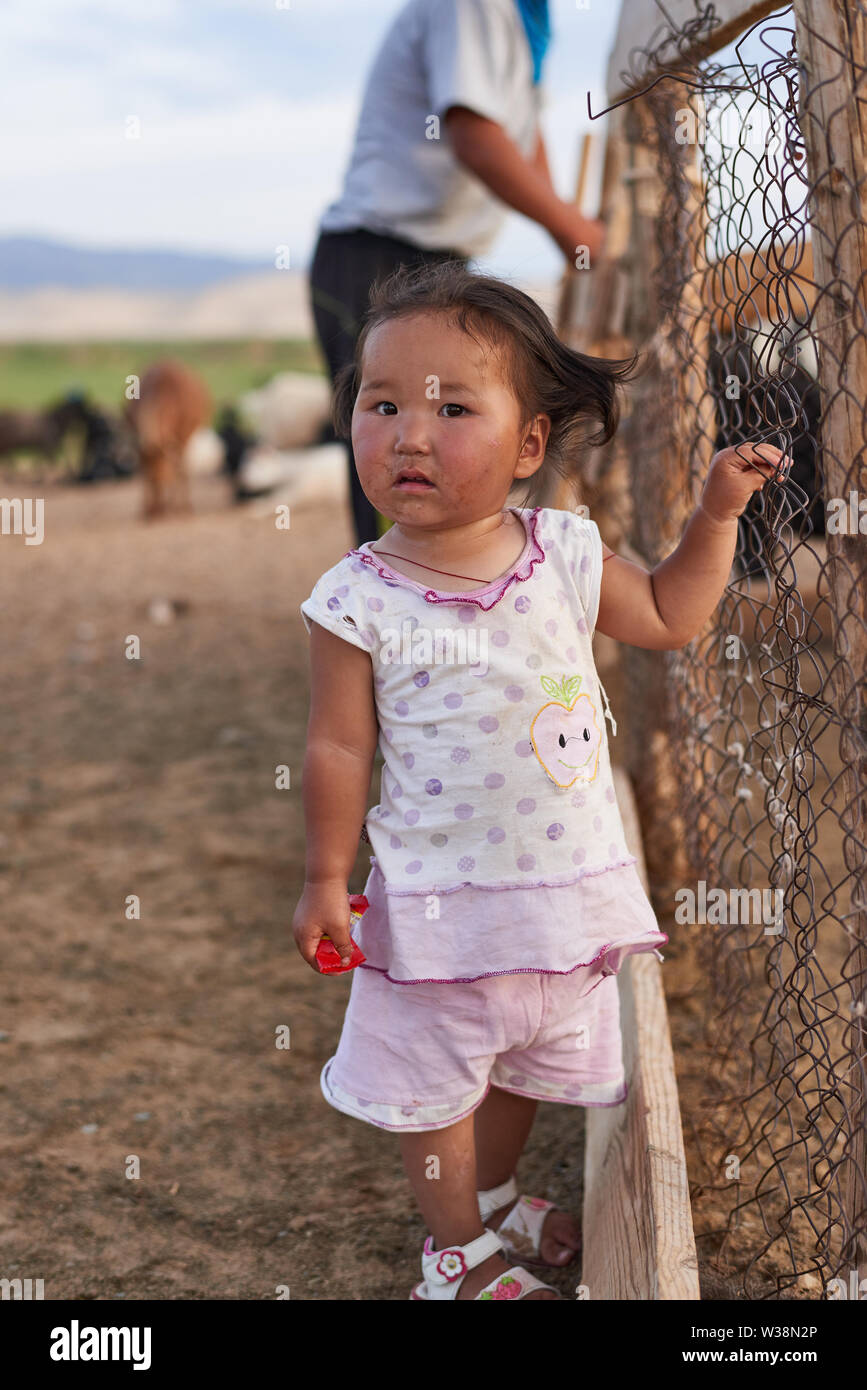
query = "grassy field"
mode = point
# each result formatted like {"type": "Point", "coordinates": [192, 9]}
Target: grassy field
{"type": "Point", "coordinates": [36, 375]}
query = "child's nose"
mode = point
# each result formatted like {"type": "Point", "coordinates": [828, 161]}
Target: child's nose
{"type": "Point", "coordinates": [411, 428]}
{"type": "Point", "coordinates": [412, 439]}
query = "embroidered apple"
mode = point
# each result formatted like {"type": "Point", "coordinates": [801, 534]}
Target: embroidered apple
{"type": "Point", "coordinates": [564, 733]}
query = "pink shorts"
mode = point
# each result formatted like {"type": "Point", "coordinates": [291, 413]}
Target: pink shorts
{"type": "Point", "coordinates": [421, 1056]}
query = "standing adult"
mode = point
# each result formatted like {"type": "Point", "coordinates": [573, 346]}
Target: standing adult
{"type": "Point", "coordinates": [448, 137]}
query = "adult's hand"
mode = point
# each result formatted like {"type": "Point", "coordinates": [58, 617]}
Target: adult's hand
{"type": "Point", "coordinates": [574, 231]}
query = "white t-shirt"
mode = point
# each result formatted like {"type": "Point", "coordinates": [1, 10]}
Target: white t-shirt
{"type": "Point", "coordinates": [404, 184]}
{"type": "Point", "coordinates": [496, 770]}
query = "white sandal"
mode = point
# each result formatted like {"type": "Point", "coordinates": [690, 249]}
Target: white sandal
{"type": "Point", "coordinates": [521, 1228]}
{"type": "Point", "coordinates": [445, 1270]}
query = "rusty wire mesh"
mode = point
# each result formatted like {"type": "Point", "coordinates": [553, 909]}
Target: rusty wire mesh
{"type": "Point", "coordinates": [764, 725]}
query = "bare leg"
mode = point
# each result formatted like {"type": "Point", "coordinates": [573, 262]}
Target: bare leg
{"type": "Point", "coordinates": [182, 483]}
{"type": "Point", "coordinates": [503, 1124]}
{"type": "Point", "coordinates": [160, 475]}
{"type": "Point", "coordinates": [151, 491]}
{"type": "Point", "coordinates": [441, 1167]}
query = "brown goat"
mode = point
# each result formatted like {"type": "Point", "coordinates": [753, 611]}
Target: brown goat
{"type": "Point", "coordinates": [172, 403]}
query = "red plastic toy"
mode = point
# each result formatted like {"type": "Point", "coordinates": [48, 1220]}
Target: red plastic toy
{"type": "Point", "coordinates": [327, 957]}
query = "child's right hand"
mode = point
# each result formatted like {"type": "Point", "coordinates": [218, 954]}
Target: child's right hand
{"type": "Point", "coordinates": [323, 910]}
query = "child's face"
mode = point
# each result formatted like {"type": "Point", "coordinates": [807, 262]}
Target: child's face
{"type": "Point", "coordinates": [434, 400]}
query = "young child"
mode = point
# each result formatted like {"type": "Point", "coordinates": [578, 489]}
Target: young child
{"type": "Point", "coordinates": [502, 897]}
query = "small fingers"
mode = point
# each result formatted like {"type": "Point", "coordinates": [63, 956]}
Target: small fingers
{"type": "Point", "coordinates": [307, 946]}
{"type": "Point", "coordinates": [772, 455]}
{"type": "Point", "coordinates": [342, 945]}
{"type": "Point", "coordinates": [766, 457]}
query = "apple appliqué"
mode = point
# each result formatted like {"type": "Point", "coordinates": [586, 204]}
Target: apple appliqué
{"type": "Point", "coordinates": [564, 733]}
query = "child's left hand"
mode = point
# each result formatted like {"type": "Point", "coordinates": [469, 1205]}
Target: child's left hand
{"type": "Point", "coordinates": [736, 473]}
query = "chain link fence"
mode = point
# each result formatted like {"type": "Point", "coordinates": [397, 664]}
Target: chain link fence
{"type": "Point", "coordinates": [743, 282]}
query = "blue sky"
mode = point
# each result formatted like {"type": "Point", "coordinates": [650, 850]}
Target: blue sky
{"type": "Point", "coordinates": [247, 115]}
{"type": "Point", "coordinates": [247, 112]}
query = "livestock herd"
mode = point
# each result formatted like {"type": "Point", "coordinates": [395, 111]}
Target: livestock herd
{"type": "Point", "coordinates": [163, 432]}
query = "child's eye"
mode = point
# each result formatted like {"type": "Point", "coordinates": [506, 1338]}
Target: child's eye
{"type": "Point", "coordinates": [449, 405]}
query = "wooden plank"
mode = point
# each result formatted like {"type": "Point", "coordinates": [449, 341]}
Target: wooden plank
{"type": "Point", "coordinates": [585, 323]}
{"type": "Point", "coordinates": [638, 1236]}
{"type": "Point", "coordinates": [692, 418]}
{"type": "Point", "coordinates": [832, 60]}
{"type": "Point", "coordinates": [569, 282]}
{"type": "Point", "coordinates": [587, 142]}
{"type": "Point", "coordinates": [622, 288]}
{"type": "Point", "coordinates": [643, 20]}
{"type": "Point", "coordinates": [655, 438]}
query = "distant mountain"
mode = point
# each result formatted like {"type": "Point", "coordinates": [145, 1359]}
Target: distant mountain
{"type": "Point", "coordinates": [28, 263]}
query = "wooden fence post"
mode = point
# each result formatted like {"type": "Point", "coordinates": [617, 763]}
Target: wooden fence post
{"type": "Point", "coordinates": [608, 311]}
{"type": "Point", "coordinates": [669, 402]}
{"type": "Point", "coordinates": [833, 120]}
{"type": "Point", "coordinates": [593, 308]}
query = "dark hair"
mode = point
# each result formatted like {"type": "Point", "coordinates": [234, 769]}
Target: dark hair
{"type": "Point", "coordinates": [547, 377]}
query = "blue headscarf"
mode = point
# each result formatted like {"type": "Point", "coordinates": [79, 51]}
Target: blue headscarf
{"type": "Point", "coordinates": [537, 24]}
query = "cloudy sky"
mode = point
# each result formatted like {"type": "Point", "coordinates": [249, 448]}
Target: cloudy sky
{"type": "Point", "coordinates": [247, 112]}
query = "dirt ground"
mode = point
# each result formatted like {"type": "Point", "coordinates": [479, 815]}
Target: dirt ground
{"type": "Point", "coordinates": [155, 1037]}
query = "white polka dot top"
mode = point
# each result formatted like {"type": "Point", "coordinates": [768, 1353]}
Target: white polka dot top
{"type": "Point", "coordinates": [496, 768]}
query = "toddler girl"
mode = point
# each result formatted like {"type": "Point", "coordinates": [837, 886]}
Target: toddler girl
{"type": "Point", "coordinates": [503, 899]}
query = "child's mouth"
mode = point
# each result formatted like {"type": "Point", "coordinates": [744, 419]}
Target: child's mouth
{"type": "Point", "coordinates": [413, 482]}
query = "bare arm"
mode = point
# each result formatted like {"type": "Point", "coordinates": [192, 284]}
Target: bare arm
{"type": "Point", "coordinates": [484, 148]}
{"type": "Point", "coordinates": [540, 161]}
{"type": "Point", "coordinates": [664, 608]}
{"type": "Point", "coordinates": [342, 735]}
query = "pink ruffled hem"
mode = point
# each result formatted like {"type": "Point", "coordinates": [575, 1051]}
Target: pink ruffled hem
{"type": "Point", "coordinates": [595, 970]}
{"type": "Point", "coordinates": [585, 928]}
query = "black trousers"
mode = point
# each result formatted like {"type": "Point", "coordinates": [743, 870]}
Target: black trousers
{"type": "Point", "coordinates": [344, 266]}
